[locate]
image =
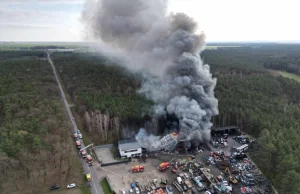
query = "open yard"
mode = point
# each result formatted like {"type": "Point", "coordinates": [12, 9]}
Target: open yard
{"type": "Point", "coordinates": [120, 176]}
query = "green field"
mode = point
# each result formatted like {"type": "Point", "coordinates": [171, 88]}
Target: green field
{"type": "Point", "coordinates": [216, 47]}
{"type": "Point", "coordinates": [290, 75]}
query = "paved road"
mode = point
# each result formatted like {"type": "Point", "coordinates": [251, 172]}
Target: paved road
{"type": "Point", "coordinates": [95, 187]}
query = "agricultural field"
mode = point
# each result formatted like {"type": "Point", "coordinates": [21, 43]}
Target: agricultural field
{"type": "Point", "coordinates": [36, 147]}
{"type": "Point", "coordinates": [221, 46]}
{"type": "Point", "coordinates": [290, 75]}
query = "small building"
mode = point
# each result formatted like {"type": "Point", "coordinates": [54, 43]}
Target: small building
{"type": "Point", "coordinates": [224, 130]}
{"type": "Point", "coordinates": [129, 148]}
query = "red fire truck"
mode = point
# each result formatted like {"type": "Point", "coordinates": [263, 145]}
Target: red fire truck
{"type": "Point", "coordinates": [163, 166]}
{"type": "Point", "coordinates": [89, 160]}
{"type": "Point", "coordinates": [137, 168]}
{"type": "Point", "coordinates": [78, 144]}
{"type": "Point", "coordinates": [83, 153]}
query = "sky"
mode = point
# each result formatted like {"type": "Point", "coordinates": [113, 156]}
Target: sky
{"type": "Point", "coordinates": [221, 20]}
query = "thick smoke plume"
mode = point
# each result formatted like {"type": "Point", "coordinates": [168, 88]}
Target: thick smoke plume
{"type": "Point", "coordinates": [167, 48]}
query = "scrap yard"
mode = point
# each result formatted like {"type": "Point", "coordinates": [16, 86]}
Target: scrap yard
{"type": "Point", "coordinates": [222, 166]}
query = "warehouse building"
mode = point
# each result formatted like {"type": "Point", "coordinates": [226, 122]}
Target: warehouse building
{"type": "Point", "coordinates": [230, 130]}
{"type": "Point", "coordinates": [129, 148]}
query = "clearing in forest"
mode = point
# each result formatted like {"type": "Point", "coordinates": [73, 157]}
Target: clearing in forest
{"type": "Point", "coordinates": [290, 75]}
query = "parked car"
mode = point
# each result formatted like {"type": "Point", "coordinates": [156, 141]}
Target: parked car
{"type": "Point", "coordinates": [184, 187]}
{"type": "Point", "coordinates": [169, 189]}
{"type": "Point", "coordinates": [132, 185]}
{"type": "Point", "coordinates": [137, 191]}
{"type": "Point", "coordinates": [54, 187]}
{"type": "Point", "coordinates": [130, 191]}
{"type": "Point", "coordinates": [80, 135]}
{"type": "Point", "coordinates": [186, 176]}
{"type": "Point", "coordinates": [78, 131]}
{"type": "Point", "coordinates": [225, 136]}
{"type": "Point", "coordinates": [72, 185]}
{"type": "Point", "coordinates": [122, 191]}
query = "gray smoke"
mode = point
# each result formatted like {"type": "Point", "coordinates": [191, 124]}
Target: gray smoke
{"type": "Point", "coordinates": [166, 48]}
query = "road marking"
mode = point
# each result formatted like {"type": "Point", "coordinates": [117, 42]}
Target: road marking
{"type": "Point", "coordinates": [95, 187]}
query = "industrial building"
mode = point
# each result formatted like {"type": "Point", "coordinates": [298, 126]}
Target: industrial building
{"type": "Point", "coordinates": [129, 148]}
{"type": "Point", "coordinates": [224, 130]}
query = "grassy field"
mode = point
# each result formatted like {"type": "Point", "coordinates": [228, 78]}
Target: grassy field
{"type": "Point", "coordinates": [85, 190]}
{"type": "Point", "coordinates": [105, 186]}
{"type": "Point", "coordinates": [216, 47]}
{"type": "Point", "coordinates": [290, 75]}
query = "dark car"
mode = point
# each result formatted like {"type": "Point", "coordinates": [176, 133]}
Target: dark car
{"type": "Point", "coordinates": [184, 188]}
{"type": "Point", "coordinates": [240, 156]}
{"type": "Point", "coordinates": [163, 181]}
{"type": "Point", "coordinates": [54, 187]}
{"type": "Point", "coordinates": [225, 136]}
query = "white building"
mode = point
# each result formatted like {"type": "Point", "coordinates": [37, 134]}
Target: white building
{"type": "Point", "coordinates": [129, 148]}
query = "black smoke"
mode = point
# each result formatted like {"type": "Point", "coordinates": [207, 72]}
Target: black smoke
{"type": "Point", "coordinates": [167, 49]}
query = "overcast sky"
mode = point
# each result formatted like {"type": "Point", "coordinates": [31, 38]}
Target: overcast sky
{"type": "Point", "coordinates": [221, 20]}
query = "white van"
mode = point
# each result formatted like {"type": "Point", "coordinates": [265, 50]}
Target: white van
{"type": "Point", "coordinates": [179, 180]}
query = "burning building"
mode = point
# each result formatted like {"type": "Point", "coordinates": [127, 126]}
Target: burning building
{"type": "Point", "coordinates": [165, 49]}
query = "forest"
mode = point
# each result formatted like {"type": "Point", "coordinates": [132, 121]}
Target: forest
{"type": "Point", "coordinates": [96, 86]}
{"type": "Point", "coordinates": [32, 118]}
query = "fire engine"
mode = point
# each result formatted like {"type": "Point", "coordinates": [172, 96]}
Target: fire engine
{"type": "Point", "coordinates": [163, 166]}
{"type": "Point", "coordinates": [89, 160]}
{"type": "Point", "coordinates": [137, 169]}
{"type": "Point", "coordinates": [83, 153]}
{"type": "Point", "coordinates": [78, 144]}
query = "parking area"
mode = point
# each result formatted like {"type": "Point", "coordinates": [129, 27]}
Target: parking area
{"type": "Point", "coordinates": [216, 169]}
{"type": "Point", "coordinates": [104, 154]}
{"type": "Point", "coordinates": [120, 176]}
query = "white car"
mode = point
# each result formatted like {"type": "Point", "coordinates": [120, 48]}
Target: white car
{"type": "Point", "coordinates": [80, 135]}
{"type": "Point", "coordinates": [122, 192]}
{"type": "Point", "coordinates": [137, 191]}
{"type": "Point", "coordinates": [71, 186]}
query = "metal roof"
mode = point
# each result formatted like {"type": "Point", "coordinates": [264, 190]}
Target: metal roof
{"type": "Point", "coordinates": [224, 128]}
{"type": "Point", "coordinates": [128, 145]}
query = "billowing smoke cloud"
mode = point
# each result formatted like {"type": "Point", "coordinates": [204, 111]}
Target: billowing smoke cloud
{"type": "Point", "coordinates": [166, 48]}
